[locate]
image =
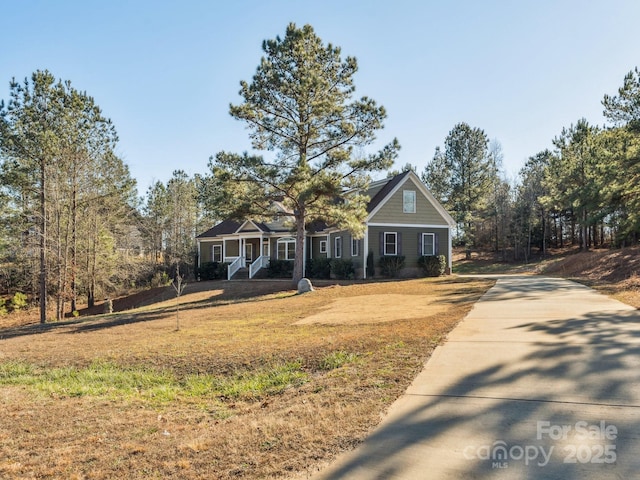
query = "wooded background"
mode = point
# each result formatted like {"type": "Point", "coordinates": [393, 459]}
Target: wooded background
{"type": "Point", "coordinates": [75, 230]}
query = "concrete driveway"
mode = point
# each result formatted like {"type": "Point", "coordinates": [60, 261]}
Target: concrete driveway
{"type": "Point", "coordinates": [540, 381]}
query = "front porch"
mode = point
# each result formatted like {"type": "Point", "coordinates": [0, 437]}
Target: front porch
{"type": "Point", "coordinates": [246, 252]}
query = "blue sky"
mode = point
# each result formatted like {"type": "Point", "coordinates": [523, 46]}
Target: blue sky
{"type": "Point", "coordinates": [165, 72]}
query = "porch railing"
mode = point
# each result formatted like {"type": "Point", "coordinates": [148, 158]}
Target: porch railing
{"type": "Point", "coordinates": [261, 262]}
{"type": "Point", "coordinates": [234, 267]}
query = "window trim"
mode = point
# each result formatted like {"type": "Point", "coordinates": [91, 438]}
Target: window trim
{"type": "Point", "coordinates": [213, 253]}
{"type": "Point", "coordinates": [355, 242]}
{"type": "Point", "coordinates": [395, 244]}
{"type": "Point", "coordinates": [337, 250]}
{"type": "Point", "coordinates": [433, 244]}
{"type": "Point", "coordinates": [323, 246]}
{"type": "Point", "coordinates": [286, 241]}
{"type": "Point", "coordinates": [404, 201]}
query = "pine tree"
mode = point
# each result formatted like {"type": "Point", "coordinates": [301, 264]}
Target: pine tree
{"type": "Point", "coordinates": [299, 106]}
{"type": "Point", "coordinates": [461, 177]}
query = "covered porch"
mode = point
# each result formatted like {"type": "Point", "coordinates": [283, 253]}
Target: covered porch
{"type": "Point", "coordinates": [246, 251]}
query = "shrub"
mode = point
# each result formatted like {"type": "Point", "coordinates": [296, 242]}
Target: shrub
{"type": "Point", "coordinates": [371, 268]}
{"type": "Point", "coordinates": [391, 265]}
{"type": "Point", "coordinates": [160, 279]}
{"type": "Point", "coordinates": [433, 265]}
{"type": "Point", "coordinates": [19, 301]}
{"type": "Point", "coordinates": [343, 269]}
{"type": "Point", "coordinates": [319, 268]}
{"type": "Point", "coordinates": [280, 269]}
{"type": "Point", "coordinates": [213, 271]}
{"type": "Point", "coordinates": [3, 307]}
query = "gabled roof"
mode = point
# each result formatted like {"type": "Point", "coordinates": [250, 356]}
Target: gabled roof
{"type": "Point", "coordinates": [226, 227]}
{"type": "Point", "coordinates": [231, 227]}
{"type": "Point", "coordinates": [259, 225]}
{"type": "Point", "coordinates": [381, 195]}
{"type": "Point", "coordinates": [395, 183]}
{"type": "Point", "coordinates": [389, 187]}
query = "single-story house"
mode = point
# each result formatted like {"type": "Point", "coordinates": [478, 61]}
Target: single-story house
{"type": "Point", "coordinates": [403, 218]}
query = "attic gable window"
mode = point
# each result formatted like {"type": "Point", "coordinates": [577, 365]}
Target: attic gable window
{"type": "Point", "coordinates": [409, 201]}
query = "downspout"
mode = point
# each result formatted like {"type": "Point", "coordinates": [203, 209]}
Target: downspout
{"type": "Point", "coordinates": [365, 252]}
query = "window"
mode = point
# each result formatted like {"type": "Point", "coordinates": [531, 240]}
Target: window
{"type": "Point", "coordinates": [428, 244]}
{"type": "Point", "coordinates": [390, 243]}
{"type": "Point", "coordinates": [286, 248]}
{"type": "Point", "coordinates": [355, 247]}
{"type": "Point", "coordinates": [323, 246]}
{"type": "Point", "coordinates": [216, 253]}
{"type": "Point", "coordinates": [337, 251]}
{"type": "Point", "coordinates": [409, 201]}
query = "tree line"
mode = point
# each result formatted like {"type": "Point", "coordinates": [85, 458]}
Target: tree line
{"type": "Point", "coordinates": [584, 192]}
{"type": "Point", "coordinates": [73, 226]}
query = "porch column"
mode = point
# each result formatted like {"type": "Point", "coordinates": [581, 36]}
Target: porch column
{"type": "Point", "coordinates": [199, 254]}
{"type": "Point", "coordinates": [304, 254]}
{"type": "Point", "coordinates": [449, 252]}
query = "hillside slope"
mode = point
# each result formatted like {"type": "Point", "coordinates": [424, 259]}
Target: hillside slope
{"type": "Point", "coordinates": [615, 272]}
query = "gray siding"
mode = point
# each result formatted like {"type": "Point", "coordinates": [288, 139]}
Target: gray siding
{"type": "Point", "coordinates": [232, 248]}
{"type": "Point", "coordinates": [314, 251]}
{"type": "Point", "coordinates": [358, 260]}
{"type": "Point", "coordinates": [391, 211]}
{"type": "Point", "coordinates": [408, 243]}
{"type": "Point", "coordinates": [206, 251]}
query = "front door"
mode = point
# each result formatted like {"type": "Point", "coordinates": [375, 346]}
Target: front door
{"type": "Point", "coordinates": [248, 253]}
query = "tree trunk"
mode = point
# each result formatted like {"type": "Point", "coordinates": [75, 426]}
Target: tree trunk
{"type": "Point", "coordinates": [74, 240]}
{"type": "Point", "coordinates": [91, 265]}
{"type": "Point", "coordinates": [298, 262]}
{"type": "Point", "coordinates": [74, 248]}
{"type": "Point", "coordinates": [584, 231]}
{"type": "Point", "coordinates": [59, 264]}
{"type": "Point", "coordinates": [43, 245]}
{"type": "Point", "coordinates": [544, 233]}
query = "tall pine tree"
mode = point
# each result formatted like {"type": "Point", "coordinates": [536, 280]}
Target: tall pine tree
{"type": "Point", "coordinates": [299, 106]}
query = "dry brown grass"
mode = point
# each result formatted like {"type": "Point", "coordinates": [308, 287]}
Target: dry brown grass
{"type": "Point", "coordinates": [226, 329]}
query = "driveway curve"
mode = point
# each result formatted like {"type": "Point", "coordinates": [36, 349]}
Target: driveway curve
{"type": "Point", "coordinates": [541, 380]}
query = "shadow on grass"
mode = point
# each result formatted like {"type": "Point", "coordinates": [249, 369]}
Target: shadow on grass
{"type": "Point", "coordinates": [232, 292]}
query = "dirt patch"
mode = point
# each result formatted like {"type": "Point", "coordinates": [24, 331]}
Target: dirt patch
{"type": "Point", "coordinates": [375, 309]}
{"type": "Point", "coordinates": [614, 272]}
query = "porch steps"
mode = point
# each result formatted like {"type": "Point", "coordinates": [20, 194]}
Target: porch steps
{"type": "Point", "coordinates": [241, 274]}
